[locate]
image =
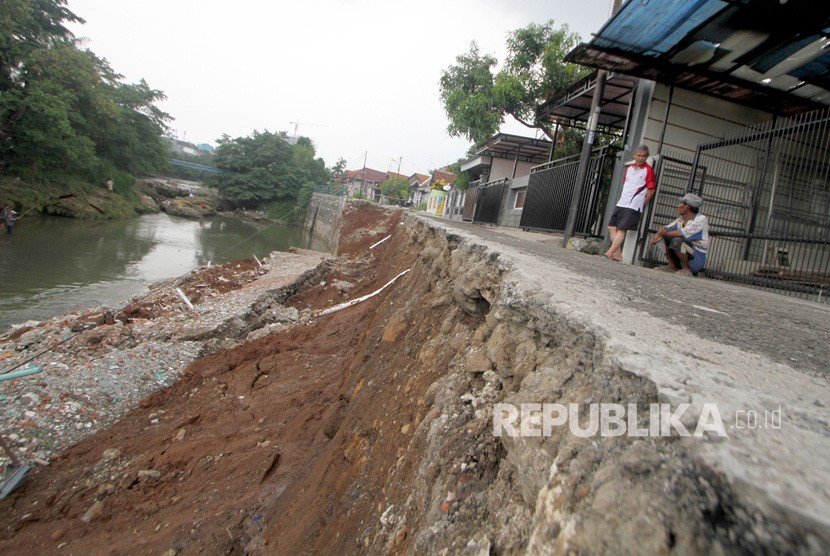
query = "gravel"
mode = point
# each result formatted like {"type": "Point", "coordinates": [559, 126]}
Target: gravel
{"type": "Point", "coordinates": [94, 368]}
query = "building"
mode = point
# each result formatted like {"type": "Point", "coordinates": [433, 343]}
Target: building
{"type": "Point", "coordinates": [500, 171]}
{"type": "Point", "coordinates": [733, 99]}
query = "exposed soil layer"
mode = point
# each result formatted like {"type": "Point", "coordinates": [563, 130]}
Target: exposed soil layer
{"type": "Point", "coordinates": [370, 430]}
{"type": "Point", "coordinates": [249, 449]}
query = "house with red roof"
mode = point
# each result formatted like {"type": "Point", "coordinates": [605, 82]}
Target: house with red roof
{"type": "Point", "coordinates": [365, 181]}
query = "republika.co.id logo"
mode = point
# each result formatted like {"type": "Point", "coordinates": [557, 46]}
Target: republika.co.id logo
{"type": "Point", "coordinates": [613, 419]}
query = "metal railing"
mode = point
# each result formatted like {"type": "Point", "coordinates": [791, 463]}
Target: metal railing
{"type": "Point", "coordinates": [470, 203]}
{"type": "Point", "coordinates": [340, 190]}
{"type": "Point", "coordinates": [766, 193]}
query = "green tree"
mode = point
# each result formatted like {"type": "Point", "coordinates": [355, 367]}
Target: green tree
{"type": "Point", "coordinates": [28, 25]}
{"type": "Point", "coordinates": [266, 167]}
{"type": "Point", "coordinates": [395, 189]}
{"type": "Point", "coordinates": [135, 142]}
{"type": "Point", "coordinates": [338, 169]}
{"type": "Point", "coordinates": [477, 100]}
{"type": "Point", "coordinates": [64, 110]}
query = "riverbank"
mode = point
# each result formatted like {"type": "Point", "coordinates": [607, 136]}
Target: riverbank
{"type": "Point", "coordinates": [370, 430]}
{"type": "Point", "coordinates": [98, 364]}
{"type": "Point", "coordinates": [74, 198]}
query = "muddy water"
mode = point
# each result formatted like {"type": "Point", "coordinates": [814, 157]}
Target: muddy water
{"type": "Point", "coordinates": [51, 265]}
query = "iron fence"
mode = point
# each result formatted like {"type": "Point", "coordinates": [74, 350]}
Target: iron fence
{"type": "Point", "coordinates": [551, 186]}
{"type": "Point", "coordinates": [488, 203]}
{"type": "Point", "coordinates": [766, 193]}
{"type": "Point", "coordinates": [470, 203]}
{"type": "Point", "coordinates": [340, 191]}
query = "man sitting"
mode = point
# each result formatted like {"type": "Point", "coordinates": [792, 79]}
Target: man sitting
{"type": "Point", "coordinates": [686, 239]}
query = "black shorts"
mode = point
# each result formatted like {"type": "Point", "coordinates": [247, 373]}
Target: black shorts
{"type": "Point", "coordinates": [624, 218]}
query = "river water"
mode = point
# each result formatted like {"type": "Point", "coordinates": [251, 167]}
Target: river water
{"type": "Point", "coordinates": [51, 265]}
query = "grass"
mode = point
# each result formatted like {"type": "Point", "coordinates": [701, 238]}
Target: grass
{"type": "Point", "coordinates": [69, 196]}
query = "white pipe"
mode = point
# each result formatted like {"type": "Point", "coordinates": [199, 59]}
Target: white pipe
{"type": "Point", "coordinates": [184, 298]}
{"type": "Point", "coordinates": [257, 261]}
{"type": "Point", "coordinates": [378, 243]}
{"type": "Point", "coordinates": [347, 304]}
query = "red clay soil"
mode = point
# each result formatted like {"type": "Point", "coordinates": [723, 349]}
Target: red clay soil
{"type": "Point", "coordinates": [280, 446]}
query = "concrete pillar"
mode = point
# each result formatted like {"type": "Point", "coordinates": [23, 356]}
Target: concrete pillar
{"type": "Point", "coordinates": [629, 247]}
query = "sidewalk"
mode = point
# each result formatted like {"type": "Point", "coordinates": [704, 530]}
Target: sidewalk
{"type": "Point", "coordinates": [787, 330]}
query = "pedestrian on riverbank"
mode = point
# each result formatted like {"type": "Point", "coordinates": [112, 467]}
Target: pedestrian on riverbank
{"type": "Point", "coordinates": [8, 216]}
{"type": "Point", "coordinates": [639, 185]}
{"type": "Point", "coordinates": [109, 185]}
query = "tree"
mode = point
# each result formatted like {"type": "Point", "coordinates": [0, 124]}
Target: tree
{"type": "Point", "coordinates": [64, 110]}
{"type": "Point", "coordinates": [476, 100]}
{"type": "Point", "coordinates": [28, 25]}
{"type": "Point", "coordinates": [337, 170]}
{"type": "Point", "coordinates": [266, 167]}
{"type": "Point", "coordinates": [395, 189]}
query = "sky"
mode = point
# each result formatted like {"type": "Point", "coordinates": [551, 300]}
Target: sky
{"type": "Point", "coordinates": [358, 77]}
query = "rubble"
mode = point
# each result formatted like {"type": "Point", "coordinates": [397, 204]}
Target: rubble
{"type": "Point", "coordinates": [371, 430]}
{"type": "Point", "coordinates": [98, 364]}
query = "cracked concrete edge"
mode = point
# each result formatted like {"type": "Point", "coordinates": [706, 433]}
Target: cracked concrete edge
{"type": "Point", "coordinates": [295, 270]}
{"type": "Point", "coordinates": [780, 470]}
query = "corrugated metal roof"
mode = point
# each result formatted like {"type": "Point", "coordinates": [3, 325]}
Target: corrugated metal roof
{"type": "Point", "coordinates": [575, 103]}
{"type": "Point", "coordinates": [771, 54]}
{"type": "Point", "coordinates": [513, 147]}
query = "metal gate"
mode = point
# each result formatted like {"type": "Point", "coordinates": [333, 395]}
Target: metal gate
{"type": "Point", "coordinates": [550, 189]}
{"type": "Point", "coordinates": [766, 194]}
{"type": "Point", "coordinates": [673, 173]}
{"type": "Point", "coordinates": [488, 204]}
{"type": "Point", "coordinates": [469, 204]}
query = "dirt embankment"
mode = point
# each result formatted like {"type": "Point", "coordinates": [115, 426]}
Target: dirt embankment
{"type": "Point", "coordinates": [370, 431]}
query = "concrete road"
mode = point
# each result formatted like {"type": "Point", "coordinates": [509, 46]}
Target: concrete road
{"type": "Point", "coordinates": [788, 330]}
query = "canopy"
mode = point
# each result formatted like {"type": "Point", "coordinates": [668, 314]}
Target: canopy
{"type": "Point", "coordinates": [769, 54]}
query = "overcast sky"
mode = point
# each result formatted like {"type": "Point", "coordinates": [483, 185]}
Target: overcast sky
{"type": "Point", "coordinates": [360, 76]}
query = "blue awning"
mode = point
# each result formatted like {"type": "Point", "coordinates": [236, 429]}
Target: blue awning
{"type": "Point", "coordinates": [771, 54]}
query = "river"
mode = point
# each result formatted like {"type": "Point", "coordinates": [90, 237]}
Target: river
{"type": "Point", "coordinates": [51, 265]}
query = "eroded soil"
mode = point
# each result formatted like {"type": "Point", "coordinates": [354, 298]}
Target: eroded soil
{"type": "Point", "coordinates": [279, 446]}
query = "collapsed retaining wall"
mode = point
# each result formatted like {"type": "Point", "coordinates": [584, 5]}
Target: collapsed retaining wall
{"type": "Point", "coordinates": [472, 326]}
{"type": "Point", "coordinates": [323, 216]}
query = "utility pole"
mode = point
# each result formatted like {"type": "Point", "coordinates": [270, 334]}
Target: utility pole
{"type": "Point", "coordinates": [584, 158]}
{"type": "Point", "coordinates": [587, 147]}
{"type": "Point", "coordinates": [297, 124]}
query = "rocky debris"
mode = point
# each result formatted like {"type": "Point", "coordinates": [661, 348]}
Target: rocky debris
{"type": "Point", "coordinates": [592, 246]}
{"type": "Point", "coordinates": [181, 198]}
{"type": "Point", "coordinates": [98, 364]}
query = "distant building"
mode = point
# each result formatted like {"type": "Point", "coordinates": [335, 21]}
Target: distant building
{"type": "Point", "coordinates": [365, 181]}
{"type": "Point", "coordinates": [179, 146]}
{"type": "Point", "coordinates": [437, 185]}
{"type": "Point", "coordinates": [418, 184]}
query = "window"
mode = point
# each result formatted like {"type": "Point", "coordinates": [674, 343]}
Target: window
{"type": "Point", "coordinates": [520, 199]}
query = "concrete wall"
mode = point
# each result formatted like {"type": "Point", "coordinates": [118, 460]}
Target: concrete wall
{"type": "Point", "coordinates": [323, 217]}
{"type": "Point", "coordinates": [455, 204]}
{"type": "Point", "coordinates": [509, 216]}
{"type": "Point", "coordinates": [693, 119]}
{"type": "Point", "coordinates": [503, 168]}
